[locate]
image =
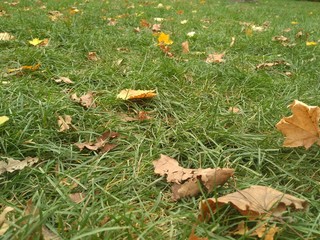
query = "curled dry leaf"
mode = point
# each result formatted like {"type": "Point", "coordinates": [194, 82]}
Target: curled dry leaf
{"type": "Point", "coordinates": [280, 39]}
{"type": "Point", "coordinates": [186, 180]}
{"type": "Point", "coordinates": [254, 202]}
{"type": "Point", "coordinates": [77, 197]}
{"type": "Point", "coordinates": [65, 123]}
{"type": "Point", "coordinates": [92, 56]}
{"type": "Point", "coordinates": [54, 15]}
{"type": "Point", "coordinates": [12, 165]}
{"type": "Point", "coordinates": [185, 47]}
{"type": "Point", "coordinates": [102, 143]}
{"type": "Point", "coordinates": [262, 230]}
{"type": "Point", "coordinates": [4, 226]}
{"type": "Point", "coordinates": [130, 94]}
{"type": "Point", "coordinates": [271, 64]}
{"type": "Point", "coordinates": [6, 36]}
{"type": "Point", "coordinates": [85, 100]}
{"type": "Point", "coordinates": [301, 128]}
{"type": "Point", "coordinates": [64, 80]}
{"type": "Point", "coordinates": [215, 58]}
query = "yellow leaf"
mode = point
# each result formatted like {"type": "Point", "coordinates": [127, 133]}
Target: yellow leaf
{"type": "Point", "coordinates": [35, 41]}
{"type": "Point", "coordinates": [164, 39]}
{"type": "Point", "coordinates": [74, 10]}
{"type": "Point", "coordinates": [294, 23]}
{"type": "Point", "coordinates": [301, 128]}
{"type": "Point", "coordinates": [129, 94]}
{"type": "Point", "coordinates": [311, 43]}
{"type": "Point", "coordinates": [3, 119]}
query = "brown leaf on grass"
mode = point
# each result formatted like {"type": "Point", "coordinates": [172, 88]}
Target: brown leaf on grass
{"type": "Point", "coordinates": [301, 128]}
{"type": "Point", "coordinates": [140, 116]}
{"type": "Point", "coordinates": [86, 100]}
{"type": "Point", "coordinates": [23, 69]}
{"type": "Point", "coordinates": [77, 197]}
{"type": "Point", "coordinates": [54, 15]}
{"type": "Point", "coordinates": [280, 39]}
{"type": "Point", "coordinates": [254, 202]}
{"type": "Point", "coordinates": [47, 234]}
{"type": "Point", "coordinates": [4, 226]}
{"type": "Point", "coordinates": [166, 49]}
{"type": "Point", "coordinates": [186, 180]}
{"type": "Point", "coordinates": [234, 110]}
{"type": "Point", "coordinates": [271, 64]}
{"type": "Point", "coordinates": [144, 23]}
{"type": "Point", "coordinates": [102, 143]}
{"type": "Point", "coordinates": [4, 36]}
{"type": "Point", "coordinates": [65, 123]}
{"type": "Point", "coordinates": [185, 47]}
{"type": "Point", "coordinates": [64, 80]}
{"type": "Point", "coordinates": [112, 21]}
{"type": "Point", "coordinates": [68, 182]}
{"type": "Point", "coordinates": [92, 56]}
{"type": "Point", "coordinates": [215, 58]}
{"type": "Point", "coordinates": [130, 94]}
{"type": "Point", "coordinates": [262, 230]}
{"type": "Point", "coordinates": [12, 165]}
{"type": "Point", "coordinates": [156, 28]}
{"type": "Point", "coordinates": [195, 237]}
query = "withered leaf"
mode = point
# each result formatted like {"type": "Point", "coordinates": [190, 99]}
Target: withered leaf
{"type": "Point", "coordinates": [4, 36]}
{"type": "Point", "coordinates": [262, 230]}
{"type": "Point", "coordinates": [86, 100]}
{"type": "Point", "coordinates": [4, 226]}
{"type": "Point", "coordinates": [156, 27]}
{"type": "Point", "coordinates": [215, 58]}
{"type": "Point", "coordinates": [280, 39]}
{"type": "Point", "coordinates": [65, 123]}
{"type": "Point", "coordinates": [301, 128]}
{"type": "Point", "coordinates": [77, 197]}
{"type": "Point", "coordinates": [185, 47]}
{"type": "Point", "coordinates": [54, 15]}
{"type": "Point", "coordinates": [186, 180]}
{"type": "Point", "coordinates": [130, 94]}
{"type": "Point", "coordinates": [254, 202]}
{"type": "Point", "coordinates": [92, 56]}
{"type": "Point", "coordinates": [271, 64]}
{"type": "Point", "coordinates": [64, 80]}
{"type": "Point", "coordinates": [12, 165]}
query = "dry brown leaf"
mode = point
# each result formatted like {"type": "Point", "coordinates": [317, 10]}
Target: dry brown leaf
{"type": "Point", "coordinates": [77, 197]}
{"type": "Point", "coordinates": [234, 110]}
{"type": "Point", "coordinates": [262, 230]}
{"type": "Point", "coordinates": [65, 123]}
{"type": "Point", "coordinates": [12, 165]}
{"type": "Point", "coordinates": [241, 229]}
{"type": "Point", "coordinates": [301, 128]}
{"type": "Point", "coordinates": [47, 234]}
{"type": "Point", "coordinates": [185, 47]}
{"type": "Point", "coordinates": [23, 69]}
{"type": "Point", "coordinates": [280, 39]}
{"type": "Point", "coordinates": [86, 100]}
{"type": "Point", "coordinates": [64, 80]}
{"type": "Point", "coordinates": [271, 64]}
{"type": "Point", "coordinates": [4, 226]}
{"type": "Point", "coordinates": [186, 180]}
{"type": "Point", "coordinates": [254, 202]}
{"type": "Point", "coordinates": [4, 36]}
{"type": "Point", "coordinates": [195, 237]}
{"type": "Point", "coordinates": [55, 15]}
{"type": "Point", "coordinates": [112, 22]}
{"type": "Point", "coordinates": [92, 56]}
{"type": "Point", "coordinates": [129, 94]}
{"type": "Point", "coordinates": [44, 43]}
{"type": "Point", "coordinates": [166, 49]}
{"type": "Point", "coordinates": [144, 23]}
{"type": "Point", "coordinates": [215, 58]}
{"type": "Point", "coordinates": [156, 27]}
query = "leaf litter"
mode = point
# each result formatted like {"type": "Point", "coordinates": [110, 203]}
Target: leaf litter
{"type": "Point", "coordinates": [11, 165]}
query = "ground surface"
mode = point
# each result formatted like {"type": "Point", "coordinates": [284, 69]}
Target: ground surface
{"type": "Point", "coordinates": [191, 121]}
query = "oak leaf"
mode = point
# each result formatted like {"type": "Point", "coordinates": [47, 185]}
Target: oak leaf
{"type": "Point", "coordinates": [185, 181]}
{"type": "Point", "coordinates": [12, 165]}
{"type": "Point", "coordinates": [130, 94]}
{"type": "Point", "coordinates": [254, 202]}
{"type": "Point", "coordinates": [301, 128]}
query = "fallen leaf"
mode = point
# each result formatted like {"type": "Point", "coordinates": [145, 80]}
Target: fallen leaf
{"type": "Point", "coordinates": [248, 32]}
{"type": "Point", "coordinates": [77, 197]}
{"type": "Point", "coordinates": [137, 29]}
{"type": "Point", "coordinates": [55, 15]}
{"type": "Point", "coordinates": [129, 94]}
{"type": "Point", "coordinates": [254, 202]}
{"type": "Point", "coordinates": [64, 80]}
{"type": "Point", "coordinates": [301, 128]}
{"type": "Point", "coordinates": [280, 39]}
{"type": "Point", "coordinates": [144, 23]}
{"type": "Point", "coordinates": [215, 58]}
{"type": "Point", "coordinates": [195, 237]}
{"type": "Point", "coordinates": [234, 110]}
{"type": "Point", "coordinates": [271, 64]}
{"type": "Point", "coordinates": [92, 56]}
{"type": "Point", "coordinates": [68, 182]}
{"type": "Point", "coordinates": [311, 43]}
{"type": "Point", "coordinates": [102, 143]}
{"type": "Point", "coordinates": [262, 230]}
{"type": "Point", "coordinates": [299, 34]}
{"type": "Point", "coordinates": [185, 47]}
{"type": "Point", "coordinates": [164, 39]}
{"type": "Point", "coordinates": [12, 165]}
{"type": "Point", "coordinates": [233, 39]}
{"type": "Point", "coordinates": [4, 226]}
{"type": "Point", "coordinates": [15, 71]}
{"type": "Point", "coordinates": [65, 123]}
{"type": "Point", "coordinates": [166, 50]}
{"type": "Point", "coordinates": [191, 34]}
{"type": "Point", "coordinates": [184, 22]}
{"type": "Point", "coordinates": [73, 11]}
{"type": "Point", "coordinates": [3, 119]}
{"type": "Point", "coordinates": [35, 41]}
{"type": "Point", "coordinates": [186, 180]}
{"type": "Point", "coordinates": [294, 23]}
{"type": "Point", "coordinates": [86, 100]}
{"type": "Point", "coordinates": [112, 22]}
{"type": "Point", "coordinates": [47, 234]}
{"type": "Point", "coordinates": [158, 19]}
{"type": "Point", "coordinates": [156, 27]}
{"type": "Point", "coordinates": [4, 36]}
{"type": "Point", "coordinates": [241, 229]}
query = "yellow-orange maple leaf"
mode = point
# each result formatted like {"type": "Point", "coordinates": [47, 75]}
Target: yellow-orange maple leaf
{"type": "Point", "coordinates": [35, 41]}
{"type": "Point", "coordinates": [164, 39]}
{"type": "Point", "coordinates": [301, 129]}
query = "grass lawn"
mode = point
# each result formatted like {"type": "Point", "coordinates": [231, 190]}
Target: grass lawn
{"type": "Point", "coordinates": [191, 121]}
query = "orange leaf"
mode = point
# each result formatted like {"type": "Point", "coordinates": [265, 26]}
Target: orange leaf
{"type": "Point", "coordinates": [164, 39]}
{"type": "Point", "coordinates": [301, 128]}
{"type": "Point", "coordinates": [129, 94]}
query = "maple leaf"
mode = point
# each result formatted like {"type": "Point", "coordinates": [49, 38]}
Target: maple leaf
{"type": "Point", "coordinates": [254, 202]}
{"type": "Point", "coordinates": [129, 94]}
{"type": "Point", "coordinates": [12, 165]}
{"type": "Point", "coordinates": [164, 39]}
{"type": "Point", "coordinates": [186, 180]}
{"type": "Point", "coordinates": [86, 100]}
{"type": "Point", "coordinates": [35, 41]}
{"type": "Point", "coordinates": [215, 58]}
{"type": "Point", "coordinates": [301, 128]}
{"type": "Point", "coordinates": [6, 36]}
{"type": "Point", "coordinates": [3, 119]}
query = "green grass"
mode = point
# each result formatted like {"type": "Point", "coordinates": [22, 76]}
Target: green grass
{"type": "Point", "coordinates": [191, 119]}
